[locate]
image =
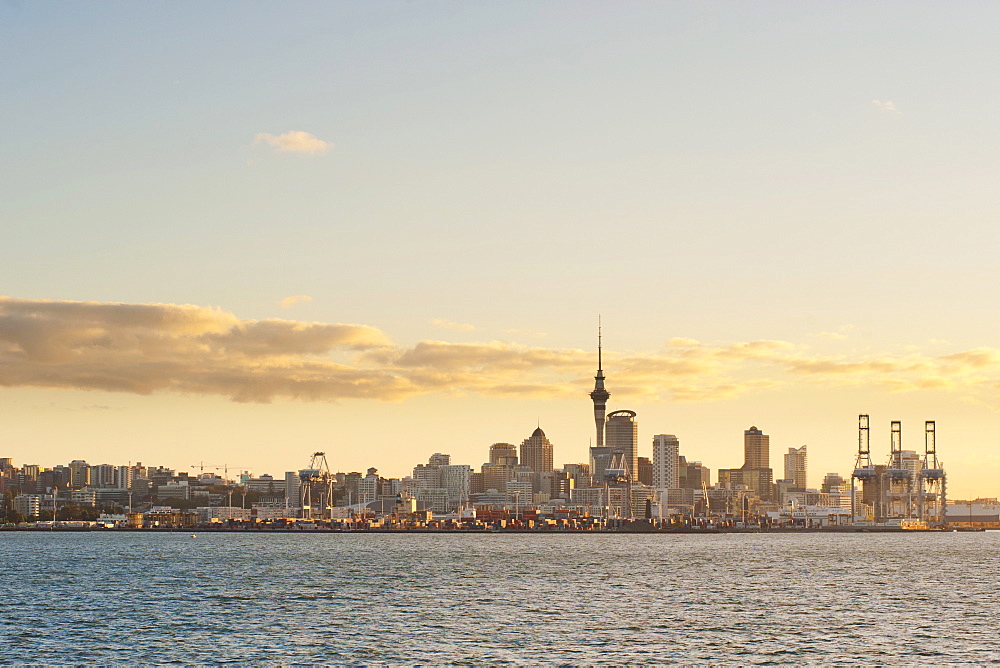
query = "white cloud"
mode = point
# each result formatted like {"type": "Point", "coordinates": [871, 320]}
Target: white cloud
{"type": "Point", "coordinates": [289, 302]}
{"type": "Point", "coordinates": [295, 141]}
{"type": "Point", "coordinates": [887, 106]}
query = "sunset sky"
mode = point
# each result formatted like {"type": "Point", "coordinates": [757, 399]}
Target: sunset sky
{"type": "Point", "coordinates": [242, 232]}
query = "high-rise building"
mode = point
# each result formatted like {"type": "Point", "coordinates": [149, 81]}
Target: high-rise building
{"type": "Point", "coordinates": [501, 453]}
{"type": "Point", "coordinates": [580, 474]}
{"type": "Point", "coordinates": [368, 487]}
{"type": "Point", "coordinates": [795, 467]}
{"type": "Point", "coordinates": [562, 484]}
{"type": "Point", "coordinates": [756, 449]}
{"type": "Point", "coordinates": [123, 477]}
{"type": "Point", "coordinates": [666, 449]}
{"type": "Point", "coordinates": [103, 475]}
{"type": "Point", "coordinates": [644, 471]}
{"type": "Point", "coordinates": [427, 477]}
{"type": "Point", "coordinates": [692, 475]}
{"type": "Point", "coordinates": [756, 471]}
{"type": "Point", "coordinates": [293, 487]}
{"type": "Point", "coordinates": [476, 483]}
{"type": "Point", "coordinates": [79, 473]}
{"type": "Point", "coordinates": [437, 459]}
{"type": "Point", "coordinates": [495, 476]}
{"type": "Point", "coordinates": [455, 478]}
{"type": "Point", "coordinates": [622, 435]}
{"type": "Point", "coordinates": [536, 452]}
{"type": "Point", "coordinates": [833, 483]}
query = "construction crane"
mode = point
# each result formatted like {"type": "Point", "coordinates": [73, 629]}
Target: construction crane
{"type": "Point", "coordinates": [201, 466]}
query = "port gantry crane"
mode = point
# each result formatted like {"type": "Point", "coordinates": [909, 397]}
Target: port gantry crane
{"type": "Point", "coordinates": [863, 468]}
{"type": "Point", "coordinates": [899, 497]}
{"type": "Point", "coordinates": [932, 491]}
{"type": "Point", "coordinates": [316, 481]}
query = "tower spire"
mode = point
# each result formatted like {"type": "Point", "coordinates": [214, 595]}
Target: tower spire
{"type": "Point", "coordinates": [600, 365]}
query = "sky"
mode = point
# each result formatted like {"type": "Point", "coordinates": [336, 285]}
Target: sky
{"type": "Point", "coordinates": [237, 233]}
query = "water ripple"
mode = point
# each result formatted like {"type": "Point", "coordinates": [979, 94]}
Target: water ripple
{"type": "Point", "coordinates": [140, 598]}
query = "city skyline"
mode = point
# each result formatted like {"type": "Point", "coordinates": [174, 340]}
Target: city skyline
{"type": "Point", "coordinates": [373, 230]}
{"type": "Point", "coordinates": [364, 338]}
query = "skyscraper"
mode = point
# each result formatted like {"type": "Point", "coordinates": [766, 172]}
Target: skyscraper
{"type": "Point", "coordinates": [536, 452]}
{"type": "Point", "coordinates": [795, 467]}
{"type": "Point", "coordinates": [756, 449]}
{"type": "Point", "coordinates": [665, 454]}
{"type": "Point", "coordinates": [756, 471]}
{"type": "Point", "coordinates": [622, 435]}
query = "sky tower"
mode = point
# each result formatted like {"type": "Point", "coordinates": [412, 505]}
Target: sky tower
{"type": "Point", "coordinates": [599, 395]}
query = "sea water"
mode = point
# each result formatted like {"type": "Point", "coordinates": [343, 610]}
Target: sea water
{"type": "Point", "coordinates": [258, 598]}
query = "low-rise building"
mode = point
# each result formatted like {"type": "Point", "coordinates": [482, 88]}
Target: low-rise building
{"type": "Point", "coordinates": [28, 505]}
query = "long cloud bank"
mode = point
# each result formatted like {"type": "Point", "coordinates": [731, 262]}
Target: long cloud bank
{"type": "Point", "coordinates": [149, 348]}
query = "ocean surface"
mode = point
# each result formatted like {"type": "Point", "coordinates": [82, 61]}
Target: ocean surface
{"type": "Point", "coordinates": [145, 598]}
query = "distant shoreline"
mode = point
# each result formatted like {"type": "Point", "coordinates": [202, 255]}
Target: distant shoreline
{"type": "Point", "coordinates": [538, 532]}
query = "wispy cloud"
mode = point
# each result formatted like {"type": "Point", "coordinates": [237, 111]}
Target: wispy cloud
{"type": "Point", "coordinates": [457, 326]}
{"type": "Point", "coordinates": [295, 141]}
{"type": "Point", "coordinates": [289, 302]}
{"type": "Point", "coordinates": [838, 335]}
{"type": "Point", "coordinates": [681, 342]}
{"type": "Point", "coordinates": [150, 348]}
{"type": "Point", "coordinates": [887, 106]}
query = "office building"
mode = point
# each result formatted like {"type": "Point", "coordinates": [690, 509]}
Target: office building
{"type": "Point", "coordinates": [692, 475]}
{"type": "Point", "coordinates": [456, 478]}
{"type": "Point", "coordinates": [834, 483]}
{"type": "Point", "coordinates": [79, 473]}
{"type": "Point", "coordinates": [438, 459]}
{"type": "Point", "coordinates": [536, 452]}
{"type": "Point", "coordinates": [644, 471]}
{"type": "Point", "coordinates": [621, 433]}
{"type": "Point", "coordinates": [666, 450]}
{"type": "Point", "coordinates": [503, 453]}
{"type": "Point", "coordinates": [795, 467]}
{"type": "Point", "coordinates": [495, 476]}
{"type": "Point", "coordinates": [756, 449]}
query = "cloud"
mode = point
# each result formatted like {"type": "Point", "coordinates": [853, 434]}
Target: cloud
{"type": "Point", "coordinates": [182, 348]}
{"type": "Point", "coordinates": [295, 141]}
{"type": "Point", "coordinates": [457, 326]}
{"type": "Point", "coordinates": [147, 348]}
{"type": "Point", "coordinates": [886, 106]}
{"type": "Point", "coordinates": [681, 342]}
{"type": "Point", "coordinates": [840, 334]}
{"type": "Point", "coordinates": [289, 302]}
